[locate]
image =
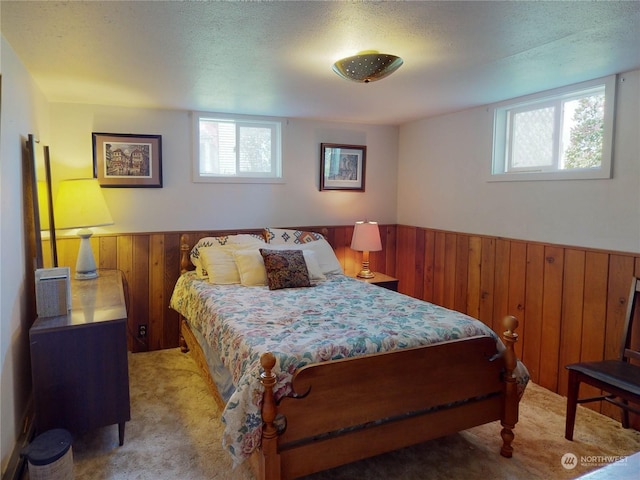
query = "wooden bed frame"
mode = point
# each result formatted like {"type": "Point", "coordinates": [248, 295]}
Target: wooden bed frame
{"type": "Point", "coordinates": [347, 410]}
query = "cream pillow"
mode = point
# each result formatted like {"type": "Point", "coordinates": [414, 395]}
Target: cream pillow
{"type": "Point", "coordinates": [241, 240]}
{"type": "Point", "coordinates": [250, 267]}
{"type": "Point", "coordinates": [220, 264]}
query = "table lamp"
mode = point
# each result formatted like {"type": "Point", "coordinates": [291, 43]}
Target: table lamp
{"type": "Point", "coordinates": [366, 238]}
{"type": "Point", "coordinates": [80, 204]}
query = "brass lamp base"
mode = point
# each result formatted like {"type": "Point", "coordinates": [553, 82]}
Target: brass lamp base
{"type": "Point", "coordinates": [366, 273]}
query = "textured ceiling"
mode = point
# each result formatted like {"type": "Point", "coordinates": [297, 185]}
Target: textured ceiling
{"type": "Point", "coordinates": [274, 58]}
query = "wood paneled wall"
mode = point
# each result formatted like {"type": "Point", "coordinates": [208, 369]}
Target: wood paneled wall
{"type": "Point", "coordinates": [151, 265]}
{"type": "Point", "coordinates": [570, 301]}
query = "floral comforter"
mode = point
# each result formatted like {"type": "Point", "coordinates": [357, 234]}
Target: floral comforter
{"type": "Point", "coordinates": [340, 317]}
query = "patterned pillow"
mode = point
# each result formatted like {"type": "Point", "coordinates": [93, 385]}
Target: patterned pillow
{"type": "Point", "coordinates": [285, 269]}
{"type": "Point", "coordinates": [231, 242]}
{"type": "Point", "coordinates": [279, 236]}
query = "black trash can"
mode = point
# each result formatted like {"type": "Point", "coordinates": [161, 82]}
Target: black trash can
{"type": "Point", "coordinates": [50, 456]}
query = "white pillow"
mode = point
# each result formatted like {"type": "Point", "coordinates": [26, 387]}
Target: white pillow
{"type": "Point", "coordinates": [220, 265]}
{"type": "Point", "coordinates": [313, 267]}
{"type": "Point", "coordinates": [325, 256]}
{"type": "Point", "coordinates": [250, 267]}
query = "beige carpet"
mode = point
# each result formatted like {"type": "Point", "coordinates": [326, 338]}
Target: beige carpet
{"type": "Point", "coordinates": [175, 433]}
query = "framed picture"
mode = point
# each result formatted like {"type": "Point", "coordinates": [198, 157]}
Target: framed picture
{"type": "Point", "coordinates": [127, 160]}
{"type": "Point", "coordinates": [342, 167]}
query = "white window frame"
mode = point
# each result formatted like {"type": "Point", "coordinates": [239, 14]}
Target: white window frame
{"type": "Point", "coordinates": [500, 170]}
{"type": "Point", "coordinates": [272, 123]}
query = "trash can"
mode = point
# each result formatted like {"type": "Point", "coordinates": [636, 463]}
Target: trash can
{"type": "Point", "coordinates": [50, 456]}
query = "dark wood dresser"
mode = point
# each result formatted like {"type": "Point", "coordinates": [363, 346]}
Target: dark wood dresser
{"type": "Point", "coordinates": [79, 360]}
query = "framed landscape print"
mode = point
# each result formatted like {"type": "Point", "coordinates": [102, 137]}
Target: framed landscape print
{"type": "Point", "coordinates": [127, 160]}
{"type": "Point", "coordinates": [342, 167]}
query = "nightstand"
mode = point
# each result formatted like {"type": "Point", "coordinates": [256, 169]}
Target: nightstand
{"type": "Point", "coordinates": [79, 360]}
{"type": "Point", "coordinates": [381, 280]}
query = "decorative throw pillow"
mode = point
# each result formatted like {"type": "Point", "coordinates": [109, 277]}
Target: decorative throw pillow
{"type": "Point", "coordinates": [285, 269]}
{"type": "Point", "coordinates": [280, 236]}
{"type": "Point", "coordinates": [310, 258]}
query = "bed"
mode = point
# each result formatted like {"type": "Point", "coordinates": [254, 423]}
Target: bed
{"type": "Point", "coordinates": [313, 378]}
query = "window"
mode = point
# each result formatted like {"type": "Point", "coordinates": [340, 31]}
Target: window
{"type": "Point", "coordinates": [563, 134]}
{"type": "Point", "coordinates": [233, 148]}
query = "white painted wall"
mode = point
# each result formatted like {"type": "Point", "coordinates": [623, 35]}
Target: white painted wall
{"type": "Point", "coordinates": [180, 205]}
{"type": "Point", "coordinates": [23, 110]}
{"type": "Point", "coordinates": [443, 164]}
{"type": "Point", "coordinates": [183, 205]}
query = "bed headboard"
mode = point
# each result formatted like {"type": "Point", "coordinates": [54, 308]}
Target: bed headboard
{"type": "Point", "coordinates": [189, 239]}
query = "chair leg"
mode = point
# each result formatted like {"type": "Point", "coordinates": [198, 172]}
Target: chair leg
{"type": "Point", "coordinates": [572, 403]}
{"type": "Point", "coordinates": [625, 415]}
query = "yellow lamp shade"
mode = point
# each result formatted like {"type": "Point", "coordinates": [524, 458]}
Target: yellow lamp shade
{"type": "Point", "coordinates": [80, 204]}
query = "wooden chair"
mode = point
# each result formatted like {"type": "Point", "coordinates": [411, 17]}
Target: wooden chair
{"type": "Point", "coordinates": [618, 379]}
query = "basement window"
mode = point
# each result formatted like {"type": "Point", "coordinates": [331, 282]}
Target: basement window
{"type": "Point", "coordinates": [236, 149]}
{"type": "Point", "coordinates": [561, 134]}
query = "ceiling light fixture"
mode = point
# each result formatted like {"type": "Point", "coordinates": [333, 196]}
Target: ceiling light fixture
{"type": "Point", "coordinates": [367, 66]}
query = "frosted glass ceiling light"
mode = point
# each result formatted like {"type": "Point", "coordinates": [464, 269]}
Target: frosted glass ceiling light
{"type": "Point", "coordinates": [367, 66]}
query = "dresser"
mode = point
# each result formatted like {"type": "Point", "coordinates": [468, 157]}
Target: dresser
{"type": "Point", "coordinates": [79, 360]}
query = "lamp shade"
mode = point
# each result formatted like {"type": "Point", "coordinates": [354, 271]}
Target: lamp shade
{"type": "Point", "coordinates": [80, 204]}
{"type": "Point", "coordinates": [367, 66]}
{"type": "Point", "coordinates": [366, 237]}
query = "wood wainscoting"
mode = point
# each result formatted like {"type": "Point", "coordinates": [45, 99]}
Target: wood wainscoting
{"type": "Point", "coordinates": [570, 301]}
{"type": "Point", "coordinates": [151, 265]}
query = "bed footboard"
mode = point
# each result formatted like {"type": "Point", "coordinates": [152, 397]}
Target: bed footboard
{"type": "Point", "coordinates": [509, 416]}
{"type": "Point", "coordinates": [350, 409]}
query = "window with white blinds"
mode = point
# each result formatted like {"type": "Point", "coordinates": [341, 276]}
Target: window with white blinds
{"type": "Point", "coordinates": [236, 148]}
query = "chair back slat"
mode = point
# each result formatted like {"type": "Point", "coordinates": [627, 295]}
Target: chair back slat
{"type": "Point", "coordinates": [626, 350]}
{"type": "Point", "coordinates": [631, 354]}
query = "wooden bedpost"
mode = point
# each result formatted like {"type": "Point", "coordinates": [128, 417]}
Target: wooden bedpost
{"type": "Point", "coordinates": [270, 459]}
{"type": "Point", "coordinates": [510, 407]}
{"type": "Point", "coordinates": [185, 262]}
{"type": "Point", "coordinates": [185, 249]}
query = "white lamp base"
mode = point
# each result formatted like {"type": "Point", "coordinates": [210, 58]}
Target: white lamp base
{"type": "Point", "coordinates": [85, 265]}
